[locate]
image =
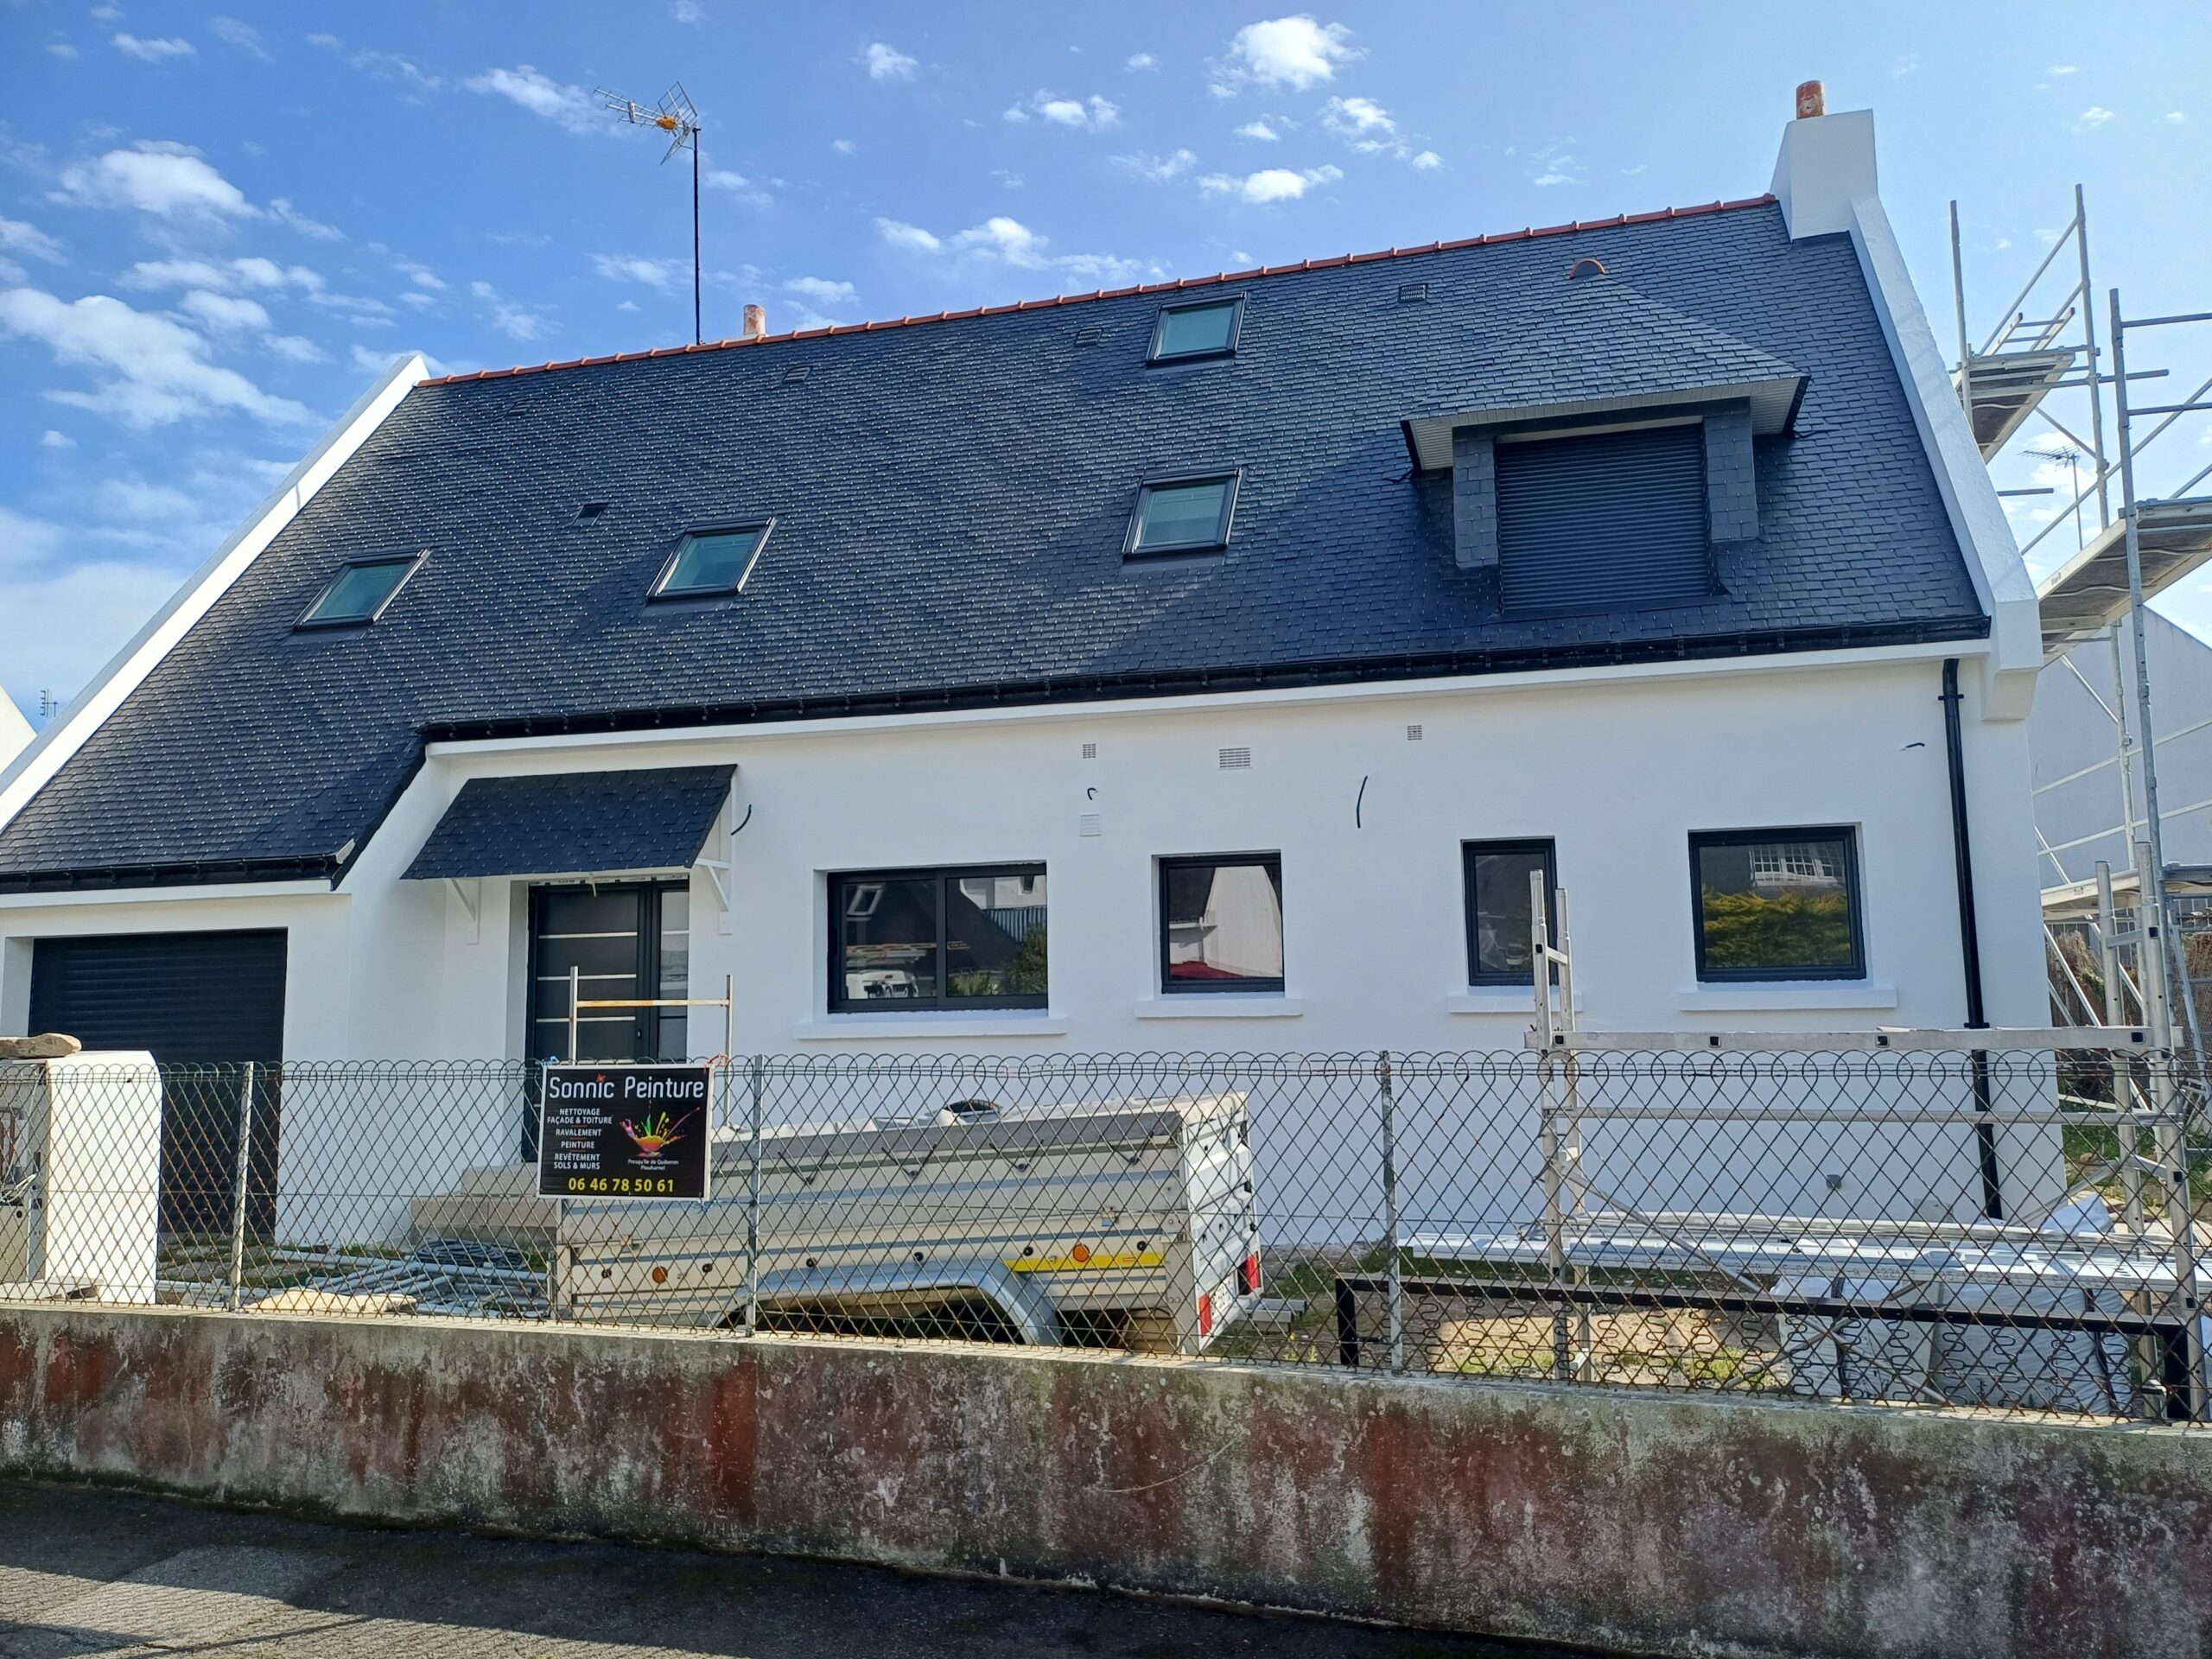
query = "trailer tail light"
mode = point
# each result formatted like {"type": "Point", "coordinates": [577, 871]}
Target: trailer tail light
{"type": "Point", "coordinates": [1248, 1276]}
{"type": "Point", "coordinates": [1206, 1314]}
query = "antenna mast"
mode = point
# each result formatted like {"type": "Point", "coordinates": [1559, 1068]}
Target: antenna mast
{"type": "Point", "coordinates": [676, 116]}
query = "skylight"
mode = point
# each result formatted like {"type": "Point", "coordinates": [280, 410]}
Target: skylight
{"type": "Point", "coordinates": [1183, 514]}
{"type": "Point", "coordinates": [1205, 328]}
{"type": "Point", "coordinates": [358, 593]}
{"type": "Point", "coordinates": [712, 561]}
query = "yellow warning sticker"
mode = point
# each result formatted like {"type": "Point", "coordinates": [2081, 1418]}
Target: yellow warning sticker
{"type": "Point", "coordinates": [1085, 1262]}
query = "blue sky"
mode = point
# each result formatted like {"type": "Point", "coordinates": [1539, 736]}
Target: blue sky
{"type": "Point", "coordinates": [215, 227]}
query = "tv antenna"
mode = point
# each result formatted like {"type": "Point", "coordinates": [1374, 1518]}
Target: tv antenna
{"type": "Point", "coordinates": [678, 116]}
{"type": "Point", "coordinates": [2073, 458]}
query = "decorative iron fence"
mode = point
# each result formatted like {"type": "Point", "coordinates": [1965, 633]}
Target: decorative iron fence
{"type": "Point", "coordinates": [2012, 1229]}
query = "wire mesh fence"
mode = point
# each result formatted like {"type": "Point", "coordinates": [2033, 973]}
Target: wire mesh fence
{"type": "Point", "coordinates": [2013, 1230]}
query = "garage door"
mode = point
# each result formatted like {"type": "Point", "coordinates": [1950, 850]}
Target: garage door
{"type": "Point", "coordinates": [199, 1002]}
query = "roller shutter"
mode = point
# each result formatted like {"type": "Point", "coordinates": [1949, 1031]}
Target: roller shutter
{"type": "Point", "coordinates": [1616, 522]}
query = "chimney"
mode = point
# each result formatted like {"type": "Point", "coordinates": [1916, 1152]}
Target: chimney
{"type": "Point", "coordinates": [1826, 164]}
{"type": "Point", "coordinates": [756, 322]}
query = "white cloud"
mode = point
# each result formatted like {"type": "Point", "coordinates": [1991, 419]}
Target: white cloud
{"type": "Point", "coordinates": [1093, 114]}
{"type": "Point", "coordinates": [297, 347]}
{"type": "Point", "coordinates": [62, 48]}
{"type": "Point", "coordinates": [1903, 64]}
{"type": "Point", "coordinates": [1156, 169]}
{"type": "Point", "coordinates": [1269, 184]}
{"type": "Point", "coordinates": [2176, 117]}
{"type": "Point", "coordinates": [153, 51]}
{"type": "Point", "coordinates": [1427, 161]}
{"type": "Point", "coordinates": [1294, 51]}
{"type": "Point", "coordinates": [632, 268]}
{"type": "Point", "coordinates": [421, 275]}
{"type": "Point", "coordinates": [1553, 164]}
{"type": "Point", "coordinates": [516, 321]}
{"type": "Point", "coordinates": [50, 439]}
{"type": "Point", "coordinates": [912, 237]}
{"type": "Point", "coordinates": [1356, 117]}
{"type": "Point", "coordinates": [279, 208]}
{"type": "Point", "coordinates": [688, 11]}
{"type": "Point", "coordinates": [1262, 129]}
{"type": "Point", "coordinates": [252, 271]}
{"type": "Point", "coordinates": [154, 177]}
{"type": "Point", "coordinates": [842, 146]}
{"type": "Point", "coordinates": [2091, 118]}
{"type": "Point", "coordinates": [149, 369]}
{"type": "Point", "coordinates": [17, 236]}
{"type": "Point", "coordinates": [1142, 60]}
{"type": "Point", "coordinates": [225, 313]}
{"type": "Point", "coordinates": [571, 106]}
{"type": "Point", "coordinates": [231, 32]}
{"type": "Point", "coordinates": [886, 62]}
{"type": "Point", "coordinates": [88, 606]}
{"type": "Point", "coordinates": [2064, 69]}
{"type": "Point", "coordinates": [822, 290]}
{"type": "Point", "coordinates": [723, 178]}
{"type": "Point", "coordinates": [385, 65]}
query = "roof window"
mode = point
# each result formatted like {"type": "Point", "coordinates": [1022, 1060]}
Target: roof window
{"type": "Point", "coordinates": [1182, 515]}
{"type": "Point", "coordinates": [356, 595]}
{"type": "Point", "coordinates": [1199, 330]}
{"type": "Point", "coordinates": [714, 561]}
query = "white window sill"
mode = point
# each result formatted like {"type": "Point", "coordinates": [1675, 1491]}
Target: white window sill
{"type": "Point", "coordinates": [1497, 999]}
{"type": "Point", "coordinates": [1753, 996]}
{"type": "Point", "coordinates": [1222, 1005]}
{"type": "Point", "coordinates": [932, 1025]}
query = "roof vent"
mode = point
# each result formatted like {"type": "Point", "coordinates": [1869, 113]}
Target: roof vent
{"type": "Point", "coordinates": [1413, 293]}
{"type": "Point", "coordinates": [1089, 334]}
{"type": "Point", "coordinates": [1237, 760]}
{"type": "Point", "coordinates": [756, 322]}
{"type": "Point", "coordinates": [1585, 268]}
{"type": "Point", "coordinates": [796, 376]}
{"type": "Point", "coordinates": [591, 509]}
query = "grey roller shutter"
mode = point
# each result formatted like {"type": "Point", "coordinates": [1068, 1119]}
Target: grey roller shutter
{"type": "Point", "coordinates": [1601, 523]}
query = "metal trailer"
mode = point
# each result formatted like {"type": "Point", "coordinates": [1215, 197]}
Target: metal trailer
{"type": "Point", "coordinates": [1128, 1222]}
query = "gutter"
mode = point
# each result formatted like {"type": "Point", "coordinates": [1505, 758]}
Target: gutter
{"type": "Point", "coordinates": [1985, 1131]}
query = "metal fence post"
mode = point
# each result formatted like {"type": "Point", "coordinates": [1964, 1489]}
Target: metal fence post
{"type": "Point", "coordinates": [238, 1185]}
{"type": "Point", "coordinates": [2172, 1142]}
{"type": "Point", "coordinates": [757, 1066]}
{"type": "Point", "coordinates": [1393, 1269]}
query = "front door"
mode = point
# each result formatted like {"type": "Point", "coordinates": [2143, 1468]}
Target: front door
{"type": "Point", "coordinates": [625, 941]}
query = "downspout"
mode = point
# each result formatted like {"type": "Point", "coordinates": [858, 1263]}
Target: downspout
{"type": "Point", "coordinates": [1993, 1197]}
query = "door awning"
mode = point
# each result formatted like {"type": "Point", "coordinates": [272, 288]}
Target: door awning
{"type": "Point", "coordinates": [574, 823]}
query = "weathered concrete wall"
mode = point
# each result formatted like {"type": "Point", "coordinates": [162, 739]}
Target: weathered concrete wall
{"type": "Point", "coordinates": [1653, 1524]}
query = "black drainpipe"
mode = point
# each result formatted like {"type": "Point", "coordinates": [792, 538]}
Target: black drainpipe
{"type": "Point", "coordinates": [1992, 1195]}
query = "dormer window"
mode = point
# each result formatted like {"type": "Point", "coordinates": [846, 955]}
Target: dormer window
{"type": "Point", "coordinates": [1182, 515]}
{"type": "Point", "coordinates": [1603, 522]}
{"type": "Point", "coordinates": [710, 562]}
{"type": "Point", "coordinates": [1199, 330]}
{"type": "Point", "coordinates": [356, 595]}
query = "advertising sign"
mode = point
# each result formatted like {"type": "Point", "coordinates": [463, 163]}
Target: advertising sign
{"type": "Point", "coordinates": [624, 1132]}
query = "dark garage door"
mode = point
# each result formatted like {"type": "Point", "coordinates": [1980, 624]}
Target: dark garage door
{"type": "Point", "coordinates": [197, 1001]}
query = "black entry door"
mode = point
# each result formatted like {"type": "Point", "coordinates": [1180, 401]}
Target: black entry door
{"type": "Point", "coordinates": [200, 1002]}
{"type": "Point", "coordinates": [627, 941]}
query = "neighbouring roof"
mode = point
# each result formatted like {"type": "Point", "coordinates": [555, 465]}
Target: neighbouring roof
{"type": "Point", "coordinates": [950, 498]}
{"type": "Point", "coordinates": [574, 823]}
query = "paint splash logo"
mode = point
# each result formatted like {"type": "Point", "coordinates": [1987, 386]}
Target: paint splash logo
{"type": "Point", "coordinates": [654, 1134]}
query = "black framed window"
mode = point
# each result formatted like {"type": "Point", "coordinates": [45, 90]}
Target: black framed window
{"type": "Point", "coordinates": [1221, 923]}
{"type": "Point", "coordinates": [1197, 329]}
{"type": "Point", "coordinates": [357, 594]}
{"type": "Point", "coordinates": [903, 941]}
{"type": "Point", "coordinates": [1778, 903]}
{"type": "Point", "coordinates": [707, 561]}
{"type": "Point", "coordinates": [1499, 942]}
{"type": "Point", "coordinates": [625, 941]}
{"type": "Point", "coordinates": [1182, 515]}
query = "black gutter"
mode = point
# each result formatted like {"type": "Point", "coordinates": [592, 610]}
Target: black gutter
{"type": "Point", "coordinates": [1993, 1194]}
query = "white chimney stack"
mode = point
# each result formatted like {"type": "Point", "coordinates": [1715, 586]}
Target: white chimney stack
{"type": "Point", "coordinates": [1826, 164]}
{"type": "Point", "coordinates": [756, 322]}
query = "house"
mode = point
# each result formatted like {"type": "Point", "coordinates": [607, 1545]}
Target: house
{"type": "Point", "coordinates": [1199, 666]}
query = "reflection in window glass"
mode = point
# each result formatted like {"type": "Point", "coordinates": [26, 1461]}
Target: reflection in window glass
{"type": "Point", "coordinates": [994, 936]}
{"type": "Point", "coordinates": [914, 940]}
{"type": "Point", "coordinates": [675, 972]}
{"type": "Point", "coordinates": [1172, 515]}
{"type": "Point", "coordinates": [712, 561]}
{"type": "Point", "coordinates": [889, 939]}
{"type": "Point", "coordinates": [1499, 942]}
{"type": "Point", "coordinates": [360, 592]}
{"type": "Point", "coordinates": [1780, 903]}
{"type": "Point", "coordinates": [1196, 330]}
{"type": "Point", "coordinates": [1221, 923]}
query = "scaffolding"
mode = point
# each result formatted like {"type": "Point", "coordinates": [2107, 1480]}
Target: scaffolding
{"type": "Point", "coordinates": [2135, 553]}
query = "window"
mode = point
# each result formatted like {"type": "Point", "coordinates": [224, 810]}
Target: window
{"type": "Point", "coordinates": [1205, 328]}
{"type": "Point", "coordinates": [1221, 923]}
{"type": "Point", "coordinates": [356, 596]}
{"type": "Point", "coordinates": [1182, 515]}
{"type": "Point", "coordinates": [1499, 938]}
{"type": "Point", "coordinates": [1613, 522]}
{"type": "Point", "coordinates": [902, 941]}
{"type": "Point", "coordinates": [1778, 903]}
{"type": "Point", "coordinates": [712, 561]}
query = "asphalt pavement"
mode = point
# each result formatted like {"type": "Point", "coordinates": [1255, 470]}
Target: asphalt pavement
{"type": "Point", "coordinates": [86, 1571]}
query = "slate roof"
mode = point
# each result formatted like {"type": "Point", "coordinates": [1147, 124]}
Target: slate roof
{"type": "Point", "coordinates": [570, 822]}
{"type": "Point", "coordinates": [950, 501]}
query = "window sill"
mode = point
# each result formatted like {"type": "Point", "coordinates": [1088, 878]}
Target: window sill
{"type": "Point", "coordinates": [1753, 996]}
{"type": "Point", "coordinates": [1223, 1005]}
{"type": "Point", "coordinates": [1499, 999]}
{"type": "Point", "coordinates": [932, 1025]}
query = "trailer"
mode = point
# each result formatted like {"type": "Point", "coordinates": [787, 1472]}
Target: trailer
{"type": "Point", "coordinates": [1127, 1222]}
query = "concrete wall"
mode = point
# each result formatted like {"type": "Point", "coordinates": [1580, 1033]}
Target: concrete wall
{"type": "Point", "coordinates": [1646, 1523]}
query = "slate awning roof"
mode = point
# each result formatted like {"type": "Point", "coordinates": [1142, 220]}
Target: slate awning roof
{"type": "Point", "coordinates": [574, 823]}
